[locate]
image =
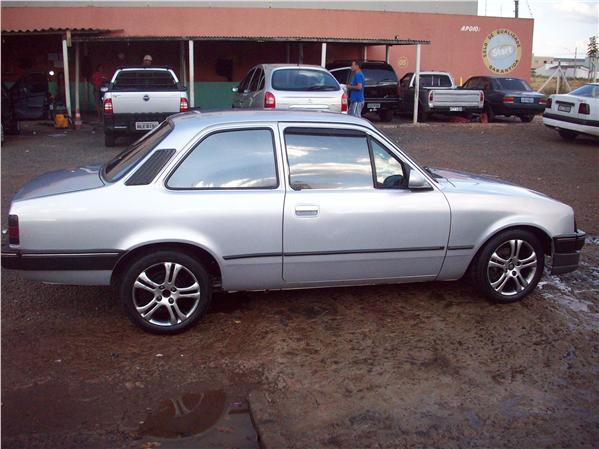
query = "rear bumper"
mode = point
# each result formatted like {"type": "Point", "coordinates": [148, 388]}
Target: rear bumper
{"type": "Point", "coordinates": [447, 109]}
{"type": "Point", "coordinates": [583, 126]}
{"type": "Point", "coordinates": [384, 104]}
{"type": "Point", "coordinates": [125, 123]}
{"type": "Point", "coordinates": [517, 108]}
{"type": "Point", "coordinates": [13, 259]}
{"type": "Point", "coordinates": [566, 252]}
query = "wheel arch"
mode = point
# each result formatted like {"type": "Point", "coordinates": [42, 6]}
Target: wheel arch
{"type": "Point", "coordinates": [540, 233]}
{"type": "Point", "coordinates": [207, 259]}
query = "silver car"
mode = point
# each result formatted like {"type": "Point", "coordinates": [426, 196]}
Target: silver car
{"type": "Point", "coordinates": [261, 200]}
{"type": "Point", "coordinates": [287, 86]}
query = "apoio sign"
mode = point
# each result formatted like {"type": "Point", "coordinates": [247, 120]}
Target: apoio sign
{"type": "Point", "coordinates": [502, 51]}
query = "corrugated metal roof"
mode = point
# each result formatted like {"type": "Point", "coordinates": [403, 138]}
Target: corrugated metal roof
{"type": "Point", "coordinates": [55, 31]}
{"type": "Point", "coordinates": [318, 39]}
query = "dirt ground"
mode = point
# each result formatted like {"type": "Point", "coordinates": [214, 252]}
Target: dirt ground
{"type": "Point", "coordinates": [414, 365]}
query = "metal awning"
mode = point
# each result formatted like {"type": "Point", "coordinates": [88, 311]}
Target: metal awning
{"type": "Point", "coordinates": [282, 39]}
{"type": "Point", "coordinates": [36, 31]}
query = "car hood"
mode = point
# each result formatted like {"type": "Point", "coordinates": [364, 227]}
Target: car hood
{"type": "Point", "coordinates": [61, 181]}
{"type": "Point", "coordinates": [483, 184]}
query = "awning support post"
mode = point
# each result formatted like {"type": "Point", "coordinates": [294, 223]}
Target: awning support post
{"type": "Point", "coordinates": [416, 84]}
{"type": "Point", "coordinates": [77, 105]}
{"type": "Point", "coordinates": [365, 58]}
{"type": "Point", "coordinates": [182, 61]}
{"type": "Point", "coordinates": [67, 89]}
{"type": "Point", "coordinates": [323, 55]}
{"type": "Point", "coordinates": [387, 48]}
{"type": "Point", "coordinates": [301, 53]}
{"type": "Point", "coordinates": [191, 73]}
{"type": "Point", "coordinates": [287, 53]}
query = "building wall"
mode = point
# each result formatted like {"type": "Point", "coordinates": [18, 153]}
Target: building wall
{"type": "Point", "coordinates": [456, 40]}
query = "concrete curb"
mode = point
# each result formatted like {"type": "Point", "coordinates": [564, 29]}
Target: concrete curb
{"type": "Point", "coordinates": [265, 421]}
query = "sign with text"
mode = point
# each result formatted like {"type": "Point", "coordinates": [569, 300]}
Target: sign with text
{"type": "Point", "coordinates": [502, 51]}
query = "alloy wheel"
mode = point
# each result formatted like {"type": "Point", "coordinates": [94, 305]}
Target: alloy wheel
{"type": "Point", "coordinates": [166, 294]}
{"type": "Point", "coordinates": [512, 267]}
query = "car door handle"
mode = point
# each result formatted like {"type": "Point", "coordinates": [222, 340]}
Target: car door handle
{"type": "Point", "coordinates": [306, 210]}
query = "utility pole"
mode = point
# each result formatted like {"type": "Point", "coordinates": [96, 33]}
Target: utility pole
{"type": "Point", "coordinates": [516, 8]}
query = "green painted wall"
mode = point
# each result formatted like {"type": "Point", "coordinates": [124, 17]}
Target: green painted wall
{"type": "Point", "coordinates": [215, 95]}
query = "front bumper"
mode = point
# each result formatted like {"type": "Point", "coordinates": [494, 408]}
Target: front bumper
{"type": "Point", "coordinates": [566, 252]}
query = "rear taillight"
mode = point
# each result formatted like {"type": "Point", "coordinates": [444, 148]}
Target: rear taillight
{"type": "Point", "coordinates": [543, 101]}
{"type": "Point", "coordinates": [183, 105]}
{"type": "Point", "coordinates": [13, 230]}
{"type": "Point", "coordinates": [548, 103]}
{"type": "Point", "coordinates": [344, 102]}
{"type": "Point", "coordinates": [430, 96]}
{"type": "Point", "coordinates": [108, 106]}
{"type": "Point", "coordinates": [584, 108]}
{"type": "Point", "coordinates": [269, 100]}
{"type": "Point", "coordinates": [508, 99]}
{"type": "Point", "coordinates": [481, 97]}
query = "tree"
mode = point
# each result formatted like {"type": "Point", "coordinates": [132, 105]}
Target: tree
{"type": "Point", "coordinates": [593, 54]}
{"type": "Point", "coordinates": [593, 48]}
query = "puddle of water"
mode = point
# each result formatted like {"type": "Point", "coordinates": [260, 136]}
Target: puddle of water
{"type": "Point", "coordinates": [211, 418]}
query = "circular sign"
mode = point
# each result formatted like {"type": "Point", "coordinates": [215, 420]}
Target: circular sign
{"type": "Point", "coordinates": [402, 61]}
{"type": "Point", "coordinates": [502, 51]}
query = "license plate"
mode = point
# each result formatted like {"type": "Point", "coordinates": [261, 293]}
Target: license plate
{"type": "Point", "coordinates": [456, 108]}
{"type": "Point", "coordinates": [527, 100]}
{"type": "Point", "coordinates": [145, 126]}
{"type": "Point", "coordinates": [564, 107]}
{"type": "Point", "coordinates": [374, 105]}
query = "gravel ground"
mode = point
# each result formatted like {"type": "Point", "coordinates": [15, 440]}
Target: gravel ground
{"type": "Point", "coordinates": [415, 365]}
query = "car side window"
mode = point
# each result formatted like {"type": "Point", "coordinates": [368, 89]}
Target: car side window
{"type": "Point", "coordinates": [341, 75]}
{"type": "Point", "coordinates": [328, 159]}
{"type": "Point", "coordinates": [389, 171]}
{"type": "Point", "coordinates": [258, 75]}
{"type": "Point", "coordinates": [238, 159]}
{"type": "Point", "coordinates": [243, 86]}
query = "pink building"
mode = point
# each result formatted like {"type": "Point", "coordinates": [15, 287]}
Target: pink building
{"type": "Point", "coordinates": [227, 41]}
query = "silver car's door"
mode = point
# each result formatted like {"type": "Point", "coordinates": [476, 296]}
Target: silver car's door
{"type": "Point", "coordinates": [343, 223]}
{"type": "Point", "coordinates": [227, 193]}
{"type": "Point", "coordinates": [255, 96]}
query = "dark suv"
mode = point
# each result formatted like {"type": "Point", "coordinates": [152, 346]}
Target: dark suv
{"type": "Point", "coordinates": [380, 87]}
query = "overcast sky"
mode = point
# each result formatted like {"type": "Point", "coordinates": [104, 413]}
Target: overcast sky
{"type": "Point", "coordinates": [561, 26]}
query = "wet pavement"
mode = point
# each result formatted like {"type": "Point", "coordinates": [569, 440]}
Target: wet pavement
{"type": "Point", "coordinates": [413, 365]}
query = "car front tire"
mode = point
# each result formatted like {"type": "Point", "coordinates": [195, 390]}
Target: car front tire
{"type": "Point", "coordinates": [509, 266]}
{"type": "Point", "coordinates": [527, 118]}
{"type": "Point", "coordinates": [165, 292]}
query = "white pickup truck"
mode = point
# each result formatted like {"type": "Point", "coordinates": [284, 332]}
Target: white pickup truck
{"type": "Point", "coordinates": [438, 94]}
{"type": "Point", "coordinates": [139, 98]}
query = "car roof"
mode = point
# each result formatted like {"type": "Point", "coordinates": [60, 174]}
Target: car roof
{"type": "Point", "coordinates": [196, 120]}
{"type": "Point", "coordinates": [291, 66]}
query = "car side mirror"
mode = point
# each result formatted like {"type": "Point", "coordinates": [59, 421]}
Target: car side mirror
{"type": "Point", "coordinates": [417, 181]}
{"type": "Point", "coordinates": [235, 89]}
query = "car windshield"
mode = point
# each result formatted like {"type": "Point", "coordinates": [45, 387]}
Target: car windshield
{"type": "Point", "coordinates": [588, 90]}
{"type": "Point", "coordinates": [133, 80]}
{"type": "Point", "coordinates": [123, 162]}
{"type": "Point", "coordinates": [514, 84]}
{"type": "Point", "coordinates": [379, 76]}
{"type": "Point", "coordinates": [304, 80]}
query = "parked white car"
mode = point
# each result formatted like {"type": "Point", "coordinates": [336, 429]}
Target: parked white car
{"type": "Point", "coordinates": [574, 113]}
{"type": "Point", "coordinates": [287, 86]}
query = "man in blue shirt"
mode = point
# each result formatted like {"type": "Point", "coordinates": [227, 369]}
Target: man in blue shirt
{"type": "Point", "coordinates": [356, 90]}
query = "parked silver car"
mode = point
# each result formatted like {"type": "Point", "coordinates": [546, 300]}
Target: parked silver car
{"type": "Point", "coordinates": [261, 200]}
{"type": "Point", "coordinates": [287, 86]}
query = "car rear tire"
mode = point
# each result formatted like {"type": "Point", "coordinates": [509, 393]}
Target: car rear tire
{"type": "Point", "coordinates": [490, 113]}
{"type": "Point", "coordinates": [566, 134]}
{"type": "Point", "coordinates": [386, 115]}
{"type": "Point", "coordinates": [509, 266]}
{"type": "Point", "coordinates": [109, 139]}
{"type": "Point", "coordinates": [527, 118]}
{"type": "Point", "coordinates": [165, 292]}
